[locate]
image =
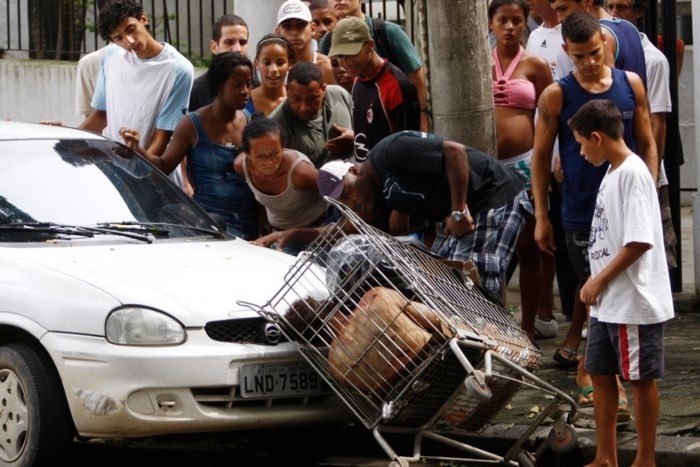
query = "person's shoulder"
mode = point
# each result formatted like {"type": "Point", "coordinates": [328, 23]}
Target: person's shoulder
{"type": "Point", "coordinates": [180, 60]}
{"type": "Point", "coordinates": [335, 92]}
{"type": "Point", "coordinates": [200, 83]}
{"type": "Point", "coordinates": [281, 113]}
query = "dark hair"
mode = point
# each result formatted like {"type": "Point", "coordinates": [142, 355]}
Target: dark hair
{"type": "Point", "coordinates": [224, 21]}
{"type": "Point", "coordinates": [496, 4]}
{"type": "Point", "coordinates": [113, 13]}
{"type": "Point", "coordinates": [318, 4]}
{"type": "Point", "coordinates": [640, 4]}
{"type": "Point", "coordinates": [305, 73]}
{"type": "Point", "coordinates": [580, 27]}
{"type": "Point", "coordinates": [600, 115]}
{"type": "Point", "coordinates": [221, 69]}
{"type": "Point", "coordinates": [273, 38]}
{"type": "Point", "coordinates": [261, 125]}
{"type": "Point", "coordinates": [600, 3]}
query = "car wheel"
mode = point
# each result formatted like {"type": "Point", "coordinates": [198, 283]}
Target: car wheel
{"type": "Point", "coordinates": [34, 424]}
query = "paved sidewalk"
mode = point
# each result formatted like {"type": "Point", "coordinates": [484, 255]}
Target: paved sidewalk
{"type": "Point", "coordinates": [678, 441]}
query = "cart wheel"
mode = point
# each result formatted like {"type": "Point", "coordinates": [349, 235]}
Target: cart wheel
{"type": "Point", "coordinates": [526, 459]}
{"type": "Point", "coordinates": [566, 443]}
{"type": "Point", "coordinates": [477, 390]}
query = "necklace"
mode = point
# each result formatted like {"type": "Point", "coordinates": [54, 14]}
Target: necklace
{"type": "Point", "coordinates": [229, 141]}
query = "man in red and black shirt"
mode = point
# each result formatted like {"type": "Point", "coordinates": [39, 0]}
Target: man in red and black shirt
{"type": "Point", "coordinates": [384, 99]}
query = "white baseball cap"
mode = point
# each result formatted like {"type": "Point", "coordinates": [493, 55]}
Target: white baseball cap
{"type": "Point", "coordinates": [330, 178]}
{"type": "Point", "coordinates": [293, 9]}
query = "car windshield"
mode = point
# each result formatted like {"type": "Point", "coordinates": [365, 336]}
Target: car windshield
{"type": "Point", "coordinates": [77, 188]}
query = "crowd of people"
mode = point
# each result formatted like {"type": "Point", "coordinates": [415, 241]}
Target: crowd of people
{"type": "Point", "coordinates": [334, 104]}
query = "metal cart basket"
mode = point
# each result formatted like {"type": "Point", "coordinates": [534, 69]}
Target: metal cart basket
{"type": "Point", "coordinates": [409, 344]}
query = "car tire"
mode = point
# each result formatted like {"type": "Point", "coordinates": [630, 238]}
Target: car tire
{"type": "Point", "coordinates": [34, 419]}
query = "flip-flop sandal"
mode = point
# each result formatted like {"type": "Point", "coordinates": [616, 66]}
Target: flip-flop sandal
{"type": "Point", "coordinates": [623, 412]}
{"type": "Point", "coordinates": [566, 357]}
{"type": "Point", "coordinates": [585, 398]}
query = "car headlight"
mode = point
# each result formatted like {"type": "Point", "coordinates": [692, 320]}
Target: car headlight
{"type": "Point", "coordinates": [143, 326]}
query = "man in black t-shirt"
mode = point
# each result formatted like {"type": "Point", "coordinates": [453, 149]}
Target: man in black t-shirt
{"type": "Point", "coordinates": [478, 202]}
{"type": "Point", "coordinates": [229, 34]}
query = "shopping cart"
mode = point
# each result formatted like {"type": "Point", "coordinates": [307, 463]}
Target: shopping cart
{"type": "Point", "coordinates": [411, 345]}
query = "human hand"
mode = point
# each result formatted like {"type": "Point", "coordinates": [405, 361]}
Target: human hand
{"type": "Point", "coordinates": [459, 229]}
{"type": "Point", "coordinates": [131, 137]}
{"type": "Point", "coordinates": [398, 223]}
{"type": "Point", "coordinates": [278, 239]}
{"type": "Point", "coordinates": [544, 237]}
{"type": "Point", "coordinates": [557, 171]}
{"type": "Point", "coordinates": [342, 141]}
{"type": "Point", "coordinates": [51, 122]}
{"type": "Point", "coordinates": [591, 290]}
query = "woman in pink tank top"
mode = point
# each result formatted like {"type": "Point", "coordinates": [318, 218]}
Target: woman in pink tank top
{"type": "Point", "coordinates": [519, 78]}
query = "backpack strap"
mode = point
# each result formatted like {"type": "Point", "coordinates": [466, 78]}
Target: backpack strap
{"type": "Point", "coordinates": [381, 40]}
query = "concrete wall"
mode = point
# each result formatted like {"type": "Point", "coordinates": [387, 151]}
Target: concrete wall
{"type": "Point", "coordinates": [261, 16]}
{"type": "Point", "coordinates": [35, 90]}
{"type": "Point", "coordinates": [686, 118]}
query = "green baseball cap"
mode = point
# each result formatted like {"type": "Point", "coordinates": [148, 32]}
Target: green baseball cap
{"type": "Point", "coordinates": [349, 36]}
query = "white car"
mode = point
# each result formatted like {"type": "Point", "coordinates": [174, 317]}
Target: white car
{"type": "Point", "coordinates": [122, 307]}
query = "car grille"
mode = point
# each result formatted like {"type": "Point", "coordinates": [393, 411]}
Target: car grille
{"type": "Point", "coordinates": [229, 397]}
{"type": "Point", "coordinates": [242, 331]}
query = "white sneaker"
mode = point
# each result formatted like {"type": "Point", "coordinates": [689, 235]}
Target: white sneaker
{"type": "Point", "coordinates": [545, 329]}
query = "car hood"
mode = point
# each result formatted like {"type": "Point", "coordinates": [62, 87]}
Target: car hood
{"type": "Point", "coordinates": [195, 282]}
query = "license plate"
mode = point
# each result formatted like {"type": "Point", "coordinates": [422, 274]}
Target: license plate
{"type": "Point", "coordinates": [279, 379]}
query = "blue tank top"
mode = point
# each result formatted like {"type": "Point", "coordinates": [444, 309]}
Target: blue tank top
{"type": "Point", "coordinates": [217, 188]}
{"type": "Point", "coordinates": [581, 179]}
{"type": "Point", "coordinates": [630, 54]}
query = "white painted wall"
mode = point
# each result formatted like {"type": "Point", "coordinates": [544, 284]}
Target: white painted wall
{"type": "Point", "coordinates": [34, 90]}
{"type": "Point", "coordinates": [261, 16]}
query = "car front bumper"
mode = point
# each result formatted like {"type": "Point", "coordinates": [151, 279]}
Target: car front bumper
{"type": "Point", "coordinates": [125, 391]}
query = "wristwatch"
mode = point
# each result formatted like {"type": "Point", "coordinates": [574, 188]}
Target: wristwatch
{"type": "Point", "coordinates": [458, 216]}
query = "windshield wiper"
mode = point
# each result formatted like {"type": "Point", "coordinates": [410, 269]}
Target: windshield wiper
{"type": "Point", "coordinates": [152, 227]}
{"type": "Point", "coordinates": [54, 228]}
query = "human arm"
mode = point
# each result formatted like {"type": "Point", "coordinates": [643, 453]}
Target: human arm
{"type": "Point", "coordinates": [658, 128]}
{"type": "Point", "coordinates": [417, 77]}
{"type": "Point", "coordinates": [304, 176]}
{"type": "Point", "coordinates": [159, 142]}
{"type": "Point", "coordinates": [399, 223]}
{"type": "Point", "coordinates": [457, 170]}
{"type": "Point", "coordinates": [341, 144]}
{"type": "Point", "coordinates": [642, 126]}
{"type": "Point", "coordinates": [186, 183]}
{"type": "Point", "coordinates": [680, 54]}
{"type": "Point", "coordinates": [283, 238]}
{"type": "Point", "coordinates": [96, 121]}
{"type": "Point", "coordinates": [546, 131]}
{"type": "Point", "coordinates": [180, 144]}
{"type": "Point", "coordinates": [595, 285]}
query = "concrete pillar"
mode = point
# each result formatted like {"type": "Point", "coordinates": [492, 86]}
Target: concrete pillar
{"type": "Point", "coordinates": [261, 16]}
{"type": "Point", "coordinates": [696, 196]}
{"type": "Point", "coordinates": [460, 72]}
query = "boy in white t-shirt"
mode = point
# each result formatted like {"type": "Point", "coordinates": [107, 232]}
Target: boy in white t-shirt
{"type": "Point", "coordinates": [143, 84]}
{"type": "Point", "coordinates": [629, 290]}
